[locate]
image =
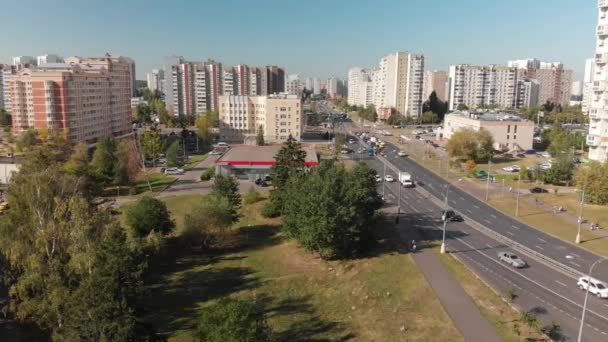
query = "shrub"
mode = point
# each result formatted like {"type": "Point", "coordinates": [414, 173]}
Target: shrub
{"type": "Point", "coordinates": [205, 224]}
{"type": "Point", "coordinates": [147, 215]}
{"type": "Point", "coordinates": [208, 174]}
{"type": "Point", "coordinates": [232, 320]}
{"type": "Point", "coordinates": [252, 196]}
{"type": "Point", "coordinates": [273, 207]}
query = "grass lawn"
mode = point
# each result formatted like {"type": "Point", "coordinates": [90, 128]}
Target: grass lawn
{"type": "Point", "coordinates": [158, 183]}
{"type": "Point", "coordinates": [550, 223]}
{"type": "Point", "coordinates": [179, 206]}
{"type": "Point", "coordinates": [193, 160]}
{"type": "Point", "coordinates": [492, 307]}
{"type": "Point", "coordinates": [381, 297]}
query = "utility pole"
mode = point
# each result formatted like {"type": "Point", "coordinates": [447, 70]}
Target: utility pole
{"type": "Point", "coordinates": [580, 218]}
{"type": "Point", "coordinates": [445, 218]}
{"type": "Point", "coordinates": [383, 179]}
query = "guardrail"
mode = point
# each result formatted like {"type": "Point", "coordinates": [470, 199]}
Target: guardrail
{"type": "Point", "coordinates": [493, 234]}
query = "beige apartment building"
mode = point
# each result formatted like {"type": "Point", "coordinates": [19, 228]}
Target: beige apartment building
{"type": "Point", "coordinates": [88, 98]}
{"type": "Point", "coordinates": [279, 116]}
{"type": "Point", "coordinates": [435, 81]}
{"type": "Point", "coordinates": [510, 132]}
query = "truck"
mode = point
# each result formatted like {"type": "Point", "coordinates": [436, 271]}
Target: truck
{"type": "Point", "coordinates": [405, 179]}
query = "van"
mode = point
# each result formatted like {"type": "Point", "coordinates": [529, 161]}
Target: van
{"type": "Point", "coordinates": [594, 286]}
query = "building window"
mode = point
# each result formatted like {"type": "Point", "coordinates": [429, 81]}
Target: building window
{"type": "Point", "coordinates": [515, 129]}
{"type": "Point", "coordinates": [508, 129]}
{"type": "Point", "coordinates": [507, 137]}
{"type": "Point", "coordinates": [514, 136]}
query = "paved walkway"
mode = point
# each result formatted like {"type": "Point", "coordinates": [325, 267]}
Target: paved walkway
{"type": "Point", "coordinates": [456, 302]}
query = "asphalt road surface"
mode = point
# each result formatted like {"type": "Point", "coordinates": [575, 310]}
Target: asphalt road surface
{"type": "Point", "coordinates": [549, 292]}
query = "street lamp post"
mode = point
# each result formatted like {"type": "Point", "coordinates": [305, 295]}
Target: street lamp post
{"type": "Point", "coordinates": [580, 218]}
{"type": "Point", "coordinates": [580, 329]}
{"type": "Point", "coordinates": [383, 180]}
{"type": "Point", "coordinates": [517, 201]}
{"type": "Point", "coordinates": [488, 179]}
{"type": "Point", "coordinates": [445, 218]}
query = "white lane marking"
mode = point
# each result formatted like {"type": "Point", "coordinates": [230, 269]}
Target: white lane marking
{"type": "Point", "coordinates": [476, 206]}
{"type": "Point", "coordinates": [469, 211]}
{"type": "Point", "coordinates": [559, 282]}
{"type": "Point", "coordinates": [529, 279]}
{"type": "Point", "coordinates": [576, 255]}
{"type": "Point", "coordinates": [538, 247]}
{"type": "Point", "coordinates": [510, 233]}
{"type": "Point", "coordinates": [541, 240]}
{"type": "Point", "coordinates": [487, 245]}
{"type": "Point", "coordinates": [414, 209]}
{"type": "Point", "coordinates": [515, 227]}
{"type": "Point", "coordinates": [494, 216]}
{"type": "Point", "coordinates": [575, 264]}
{"type": "Point", "coordinates": [486, 221]}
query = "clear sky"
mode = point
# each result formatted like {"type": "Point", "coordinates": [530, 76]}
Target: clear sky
{"type": "Point", "coordinates": [313, 38]}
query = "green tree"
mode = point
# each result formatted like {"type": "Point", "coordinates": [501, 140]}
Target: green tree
{"type": "Point", "coordinates": [592, 178]}
{"type": "Point", "coordinates": [78, 164]}
{"type": "Point", "coordinates": [435, 105]}
{"type": "Point", "coordinates": [6, 120]}
{"type": "Point", "coordinates": [530, 319]}
{"type": "Point", "coordinates": [207, 222]}
{"type": "Point", "coordinates": [561, 171]}
{"type": "Point", "coordinates": [104, 159]}
{"type": "Point", "coordinates": [466, 144]}
{"type": "Point", "coordinates": [102, 308]}
{"type": "Point", "coordinates": [152, 145]}
{"type": "Point", "coordinates": [485, 144]}
{"type": "Point", "coordinates": [148, 215]}
{"type": "Point", "coordinates": [173, 159]}
{"type": "Point", "coordinates": [429, 117]}
{"type": "Point", "coordinates": [127, 166]}
{"type": "Point", "coordinates": [462, 106]}
{"type": "Point", "coordinates": [259, 139]}
{"type": "Point", "coordinates": [290, 158]}
{"type": "Point", "coordinates": [232, 320]}
{"type": "Point", "coordinates": [339, 142]}
{"type": "Point", "coordinates": [330, 210]}
{"type": "Point", "coordinates": [204, 123]}
{"type": "Point", "coordinates": [512, 295]}
{"type": "Point", "coordinates": [553, 330]}
{"type": "Point", "coordinates": [228, 187]}
{"type": "Point", "coordinates": [559, 141]}
{"type": "Point", "coordinates": [27, 139]}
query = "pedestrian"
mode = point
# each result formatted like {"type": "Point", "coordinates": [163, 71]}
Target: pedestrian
{"type": "Point", "coordinates": [510, 189]}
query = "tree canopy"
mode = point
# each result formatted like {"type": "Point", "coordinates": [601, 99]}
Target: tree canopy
{"type": "Point", "coordinates": [467, 144]}
{"type": "Point", "coordinates": [290, 158]}
{"type": "Point", "coordinates": [232, 320]}
{"type": "Point", "coordinates": [228, 187]}
{"type": "Point", "coordinates": [592, 178]}
{"type": "Point", "coordinates": [259, 139]}
{"type": "Point", "coordinates": [146, 215]}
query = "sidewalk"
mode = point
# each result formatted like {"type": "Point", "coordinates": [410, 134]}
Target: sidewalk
{"type": "Point", "coordinates": [459, 306]}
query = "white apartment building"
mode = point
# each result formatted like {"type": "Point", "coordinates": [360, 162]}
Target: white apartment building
{"type": "Point", "coordinates": [155, 80]}
{"type": "Point", "coordinates": [476, 86]}
{"type": "Point", "coordinates": [435, 81]}
{"type": "Point", "coordinates": [24, 60]}
{"type": "Point", "coordinates": [293, 85]}
{"type": "Point", "coordinates": [317, 87]}
{"type": "Point", "coordinates": [510, 132]}
{"type": "Point", "coordinates": [588, 84]}
{"type": "Point", "coordinates": [360, 87]}
{"type": "Point", "coordinates": [6, 72]}
{"type": "Point", "coordinates": [44, 59]}
{"type": "Point", "coordinates": [597, 139]}
{"type": "Point", "coordinates": [332, 87]}
{"type": "Point", "coordinates": [398, 83]}
{"type": "Point", "coordinates": [527, 93]}
{"type": "Point", "coordinates": [279, 116]}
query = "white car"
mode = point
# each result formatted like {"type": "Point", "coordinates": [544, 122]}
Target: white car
{"type": "Point", "coordinates": [389, 178]}
{"type": "Point", "coordinates": [596, 287]}
{"type": "Point", "coordinates": [174, 171]}
{"type": "Point", "coordinates": [511, 259]}
{"type": "Point", "coordinates": [402, 154]}
{"type": "Point", "coordinates": [545, 155]}
{"type": "Point", "coordinates": [512, 168]}
{"type": "Point", "coordinates": [378, 178]}
{"type": "Point", "coordinates": [545, 166]}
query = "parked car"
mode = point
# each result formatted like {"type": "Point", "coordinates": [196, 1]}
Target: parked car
{"type": "Point", "coordinates": [345, 151]}
{"type": "Point", "coordinates": [538, 190]}
{"type": "Point", "coordinates": [389, 178]}
{"type": "Point", "coordinates": [512, 168]}
{"type": "Point", "coordinates": [261, 182]}
{"type": "Point", "coordinates": [378, 178]}
{"type": "Point", "coordinates": [511, 259]}
{"type": "Point", "coordinates": [451, 215]}
{"type": "Point", "coordinates": [215, 152]}
{"type": "Point", "coordinates": [174, 171]}
{"type": "Point", "coordinates": [595, 286]}
{"type": "Point", "coordinates": [545, 165]}
{"type": "Point", "coordinates": [402, 154]}
{"type": "Point", "coordinates": [545, 155]}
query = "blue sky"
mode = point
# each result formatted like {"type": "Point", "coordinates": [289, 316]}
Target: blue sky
{"type": "Point", "coordinates": [314, 37]}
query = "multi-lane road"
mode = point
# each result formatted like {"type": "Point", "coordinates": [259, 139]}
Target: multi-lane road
{"type": "Point", "coordinates": [549, 290]}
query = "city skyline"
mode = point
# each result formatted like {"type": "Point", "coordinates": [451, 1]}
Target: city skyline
{"type": "Point", "coordinates": [271, 32]}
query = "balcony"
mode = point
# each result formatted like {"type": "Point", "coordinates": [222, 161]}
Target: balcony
{"type": "Point", "coordinates": [600, 86]}
{"type": "Point", "coordinates": [602, 30]}
{"type": "Point", "coordinates": [595, 114]}
{"type": "Point", "coordinates": [601, 58]}
{"type": "Point", "coordinates": [602, 3]}
{"type": "Point", "coordinates": [593, 140]}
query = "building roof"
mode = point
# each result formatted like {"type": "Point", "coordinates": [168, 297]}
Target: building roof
{"type": "Point", "coordinates": [489, 116]}
{"type": "Point", "coordinates": [261, 155]}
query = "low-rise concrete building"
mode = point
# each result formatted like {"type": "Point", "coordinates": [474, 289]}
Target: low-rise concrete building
{"type": "Point", "coordinates": [255, 162]}
{"type": "Point", "coordinates": [510, 131]}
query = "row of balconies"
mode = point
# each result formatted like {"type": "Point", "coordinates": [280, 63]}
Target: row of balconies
{"type": "Point", "coordinates": [601, 58]}
{"type": "Point", "coordinates": [602, 3]}
{"type": "Point", "coordinates": [593, 140]}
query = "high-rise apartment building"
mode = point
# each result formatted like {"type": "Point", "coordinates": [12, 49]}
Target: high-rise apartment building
{"type": "Point", "coordinates": [360, 87]}
{"type": "Point", "coordinates": [25, 61]}
{"type": "Point", "coordinates": [293, 85]}
{"type": "Point", "coordinates": [597, 139]}
{"type": "Point", "coordinates": [527, 93]}
{"type": "Point", "coordinates": [398, 83]}
{"type": "Point", "coordinates": [44, 59]}
{"type": "Point", "coordinates": [332, 87]}
{"type": "Point", "coordinates": [132, 73]}
{"type": "Point", "coordinates": [316, 86]}
{"type": "Point", "coordinates": [588, 84]}
{"type": "Point", "coordinates": [195, 87]}
{"type": "Point", "coordinates": [156, 80]}
{"type": "Point", "coordinates": [279, 115]}
{"type": "Point", "coordinates": [6, 72]}
{"type": "Point", "coordinates": [435, 81]}
{"type": "Point", "coordinates": [476, 86]}
{"type": "Point", "coordinates": [87, 98]}
{"type": "Point", "coordinates": [555, 82]}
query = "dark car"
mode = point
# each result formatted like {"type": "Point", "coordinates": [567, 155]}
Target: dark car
{"type": "Point", "coordinates": [538, 190]}
{"type": "Point", "coordinates": [451, 215]}
{"type": "Point", "coordinates": [261, 182]}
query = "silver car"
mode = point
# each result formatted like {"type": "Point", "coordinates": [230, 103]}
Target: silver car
{"type": "Point", "coordinates": [511, 259]}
